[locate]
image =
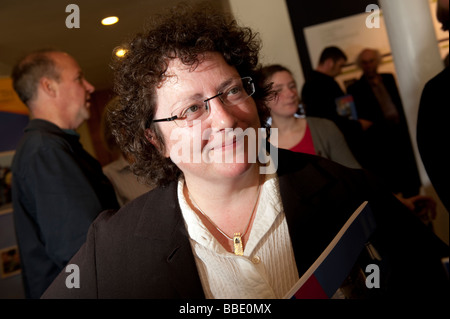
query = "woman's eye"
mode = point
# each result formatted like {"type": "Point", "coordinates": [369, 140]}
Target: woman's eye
{"type": "Point", "coordinates": [190, 110]}
{"type": "Point", "coordinates": [234, 90]}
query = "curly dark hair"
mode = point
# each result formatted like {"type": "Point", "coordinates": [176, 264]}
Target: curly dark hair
{"type": "Point", "coordinates": [184, 33]}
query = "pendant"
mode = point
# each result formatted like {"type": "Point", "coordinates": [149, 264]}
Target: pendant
{"type": "Point", "coordinates": [238, 247]}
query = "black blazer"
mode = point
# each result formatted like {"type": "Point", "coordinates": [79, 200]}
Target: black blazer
{"type": "Point", "coordinates": [143, 250]}
{"type": "Point", "coordinates": [385, 149]}
{"type": "Point", "coordinates": [319, 94]}
{"type": "Point", "coordinates": [432, 133]}
{"type": "Point", "coordinates": [366, 103]}
{"type": "Point", "coordinates": [58, 191]}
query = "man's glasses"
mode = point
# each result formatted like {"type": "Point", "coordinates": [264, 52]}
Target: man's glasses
{"type": "Point", "coordinates": [235, 93]}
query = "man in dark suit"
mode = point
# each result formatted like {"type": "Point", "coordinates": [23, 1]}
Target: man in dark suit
{"type": "Point", "coordinates": [386, 147]}
{"type": "Point", "coordinates": [320, 92]}
{"type": "Point", "coordinates": [432, 123]}
{"type": "Point", "coordinates": [58, 187]}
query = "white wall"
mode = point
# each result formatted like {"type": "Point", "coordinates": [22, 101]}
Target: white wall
{"type": "Point", "coordinates": [270, 18]}
{"type": "Point", "coordinates": [417, 59]}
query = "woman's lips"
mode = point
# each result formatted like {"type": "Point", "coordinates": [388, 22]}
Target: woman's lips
{"type": "Point", "coordinates": [224, 141]}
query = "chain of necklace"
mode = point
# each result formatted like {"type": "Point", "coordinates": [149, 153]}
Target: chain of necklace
{"type": "Point", "coordinates": [237, 238]}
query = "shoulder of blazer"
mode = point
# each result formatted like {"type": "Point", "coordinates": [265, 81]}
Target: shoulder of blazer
{"type": "Point", "coordinates": [306, 176]}
{"type": "Point", "coordinates": [150, 215]}
{"type": "Point", "coordinates": [150, 233]}
{"type": "Point", "coordinates": [318, 196]}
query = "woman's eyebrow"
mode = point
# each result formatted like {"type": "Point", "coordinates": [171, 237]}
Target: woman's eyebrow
{"type": "Point", "coordinates": [225, 84]}
{"type": "Point", "coordinates": [277, 86]}
{"type": "Point", "coordinates": [200, 97]}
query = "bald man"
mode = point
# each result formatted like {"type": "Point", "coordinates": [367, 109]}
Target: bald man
{"type": "Point", "coordinates": [58, 188]}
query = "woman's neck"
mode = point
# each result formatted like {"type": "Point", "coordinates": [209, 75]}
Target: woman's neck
{"type": "Point", "coordinates": [214, 193]}
{"type": "Point", "coordinates": [284, 123]}
{"type": "Point", "coordinates": [291, 130]}
{"type": "Point", "coordinates": [228, 204]}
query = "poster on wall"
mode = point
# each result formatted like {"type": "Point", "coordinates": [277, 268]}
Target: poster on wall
{"type": "Point", "coordinates": [13, 116]}
{"type": "Point", "coordinates": [5, 182]}
{"type": "Point", "coordinates": [352, 35]}
{"type": "Point", "coordinates": [11, 285]}
{"type": "Point", "coordinates": [9, 262]}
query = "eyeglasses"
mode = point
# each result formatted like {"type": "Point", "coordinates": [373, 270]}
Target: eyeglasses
{"type": "Point", "coordinates": [198, 109]}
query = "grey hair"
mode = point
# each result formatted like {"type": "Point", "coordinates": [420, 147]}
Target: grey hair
{"type": "Point", "coordinates": [30, 69]}
{"type": "Point", "coordinates": [377, 55]}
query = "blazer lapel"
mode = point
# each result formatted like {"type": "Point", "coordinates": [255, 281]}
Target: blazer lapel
{"type": "Point", "coordinates": [180, 260]}
{"type": "Point", "coordinates": [314, 205]}
{"type": "Point", "coordinates": [167, 229]}
{"type": "Point", "coordinates": [297, 198]}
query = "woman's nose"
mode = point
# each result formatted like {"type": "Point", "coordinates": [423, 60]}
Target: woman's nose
{"type": "Point", "coordinates": [221, 116]}
{"type": "Point", "coordinates": [291, 91]}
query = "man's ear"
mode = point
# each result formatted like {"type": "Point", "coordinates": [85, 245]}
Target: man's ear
{"type": "Point", "coordinates": [329, 64]}
{"type": "Point", "coordinates": [48, 86]}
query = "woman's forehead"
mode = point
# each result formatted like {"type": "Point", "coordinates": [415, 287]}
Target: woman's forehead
{"type": "Point", "coordinates": [206, 62]}
{"type": "Point", "coordinates": [211, 68]}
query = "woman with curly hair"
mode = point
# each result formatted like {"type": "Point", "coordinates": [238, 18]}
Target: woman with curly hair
{"type": "Point", "coordinates": [219, 225]}
{"type": "Point", "coordinates": [140, 73]}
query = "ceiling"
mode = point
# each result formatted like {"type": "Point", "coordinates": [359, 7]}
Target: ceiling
{"type": "Point", "coordinates": [26, 25]}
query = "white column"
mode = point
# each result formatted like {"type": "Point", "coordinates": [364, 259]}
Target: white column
{"type": "Point", "coordinates": [416, 55]}
{"type": "Point", "coordinates": [271, 19]}
{"type": "Point", "coordinates": [417, 59]}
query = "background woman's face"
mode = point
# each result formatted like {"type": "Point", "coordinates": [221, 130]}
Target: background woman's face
{"type": "Point", "coordinates": [286, 103]}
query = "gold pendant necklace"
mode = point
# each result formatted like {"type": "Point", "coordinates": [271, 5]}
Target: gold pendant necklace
{"type": "Point", "coordinates": [237, 243]}
{"type": "Point", "coordinates": [237, 238]}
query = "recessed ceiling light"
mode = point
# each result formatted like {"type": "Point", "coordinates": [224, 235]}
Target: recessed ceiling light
{"type": "Point", "coordinates": [110, 20]}
{"type": "Point", "coordinates": [121, 52]}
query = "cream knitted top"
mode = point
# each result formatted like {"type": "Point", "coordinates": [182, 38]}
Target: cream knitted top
{"type": "Point", "coordinates": [266, 270]}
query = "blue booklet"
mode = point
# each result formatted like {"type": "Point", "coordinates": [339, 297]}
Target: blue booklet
{"type": "Point", "coordinates": [327, 274]}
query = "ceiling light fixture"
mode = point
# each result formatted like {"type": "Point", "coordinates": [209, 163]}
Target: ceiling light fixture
{"type": "Point", "coordinates": [110, 20]}
{"type": "Point", "coordinates": [121, 52]}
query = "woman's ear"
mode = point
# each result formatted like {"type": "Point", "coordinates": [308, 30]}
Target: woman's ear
{"type": "Point", "coordinates": [150, 135]}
